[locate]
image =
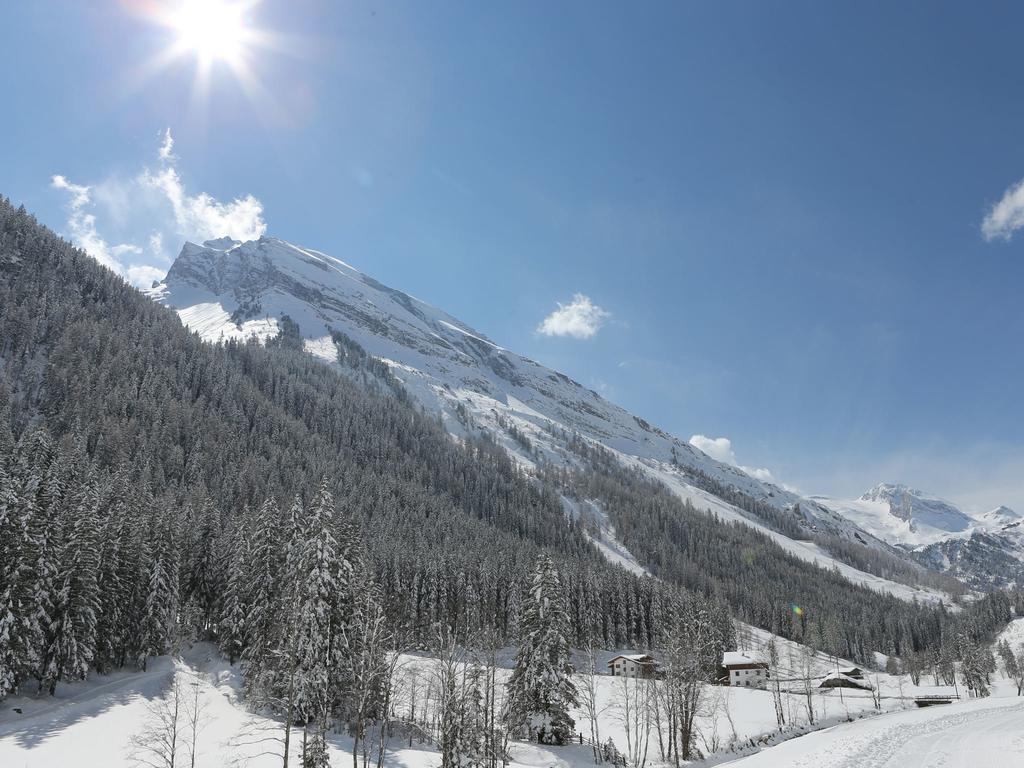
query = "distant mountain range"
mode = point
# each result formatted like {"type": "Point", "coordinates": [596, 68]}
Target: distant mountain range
{"type": "Point", "coordinates": [984, 550]}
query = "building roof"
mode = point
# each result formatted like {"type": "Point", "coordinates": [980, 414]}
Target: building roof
{"type": "Point", "coordinates": [639, 658]}
{"type": "Point", "coordinates": [739, 659]}
{"type": "Point", "coordinates": [839, 680]}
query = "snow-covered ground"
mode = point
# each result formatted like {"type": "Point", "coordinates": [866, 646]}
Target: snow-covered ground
{"type": "Point", "coordinates": [967, 734]}
{"type": "Point", "coordinates": [971, 734]}
{"type": "Point", "coordinates": [91, 724]}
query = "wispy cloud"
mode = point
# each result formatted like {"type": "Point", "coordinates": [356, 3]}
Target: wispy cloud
{"type": "Point", "coordinates": [82, 226]}
{"type": "Point", "coordinates": [153, 207]}
{"type": "Point", "coordinates": [166, 151]}
{"type": "Point", "coordinates": [720, 449]}
{"type": "Point", "coordinates": [1006, 216]}
{"type": "Point", "coordinates": [579, 319]}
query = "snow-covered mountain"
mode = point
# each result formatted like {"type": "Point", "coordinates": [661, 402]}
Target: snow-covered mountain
{"type": "Point", "coordinates": [901, 515]}
{"type": "Point", "coordinates": [985, 550]}
{"type": "Point", "coordinates": [225, 289]}
{"type": "Point", "coordinates": [1001, 516]}
{"type": "Point", "coordinates": [919, 509]}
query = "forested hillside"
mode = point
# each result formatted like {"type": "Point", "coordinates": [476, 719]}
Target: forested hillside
{"type": "Point", "coordinates": [155, 487]}
{"type": "Point", "coordinates": [140, 466]}
{"type": "Point", "coordinates": [762, 583]}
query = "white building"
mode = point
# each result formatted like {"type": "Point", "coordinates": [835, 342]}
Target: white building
{"type": "Point", "coordinates": [743, 670]}
{"type": "Point", "coordinates": [634, 665]}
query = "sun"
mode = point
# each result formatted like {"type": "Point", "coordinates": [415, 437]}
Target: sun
{"type": "Point", "coordinates": [214, 37]}
{"type": "Point", "coordinates": [212, 30]}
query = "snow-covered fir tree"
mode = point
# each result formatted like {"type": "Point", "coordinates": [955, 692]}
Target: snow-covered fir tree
{"type": "Point", "coordinates": [540, 688]}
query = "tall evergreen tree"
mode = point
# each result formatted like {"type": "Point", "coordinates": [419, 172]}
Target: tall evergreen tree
{"type": "Point", "coordinates": [72, 634]}
{"type": "Point", "coordinates": [540, 687]}
{"type": "Point", "coordinates": [13, 650]}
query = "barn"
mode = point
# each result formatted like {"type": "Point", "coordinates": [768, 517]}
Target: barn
{"type": "Point", "coordinates": [840, 680]}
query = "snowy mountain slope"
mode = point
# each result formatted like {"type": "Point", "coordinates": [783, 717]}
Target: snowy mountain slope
{"type": "Point", "coordinates": [224, 289]}
{"type": "Point", "coordinates": [600, 530]}
{"type": "Point", "coordinates": [232, 290]}
{"type": "Point", "coordinates": [985, 550]}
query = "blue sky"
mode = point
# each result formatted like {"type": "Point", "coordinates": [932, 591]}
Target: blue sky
{"type": "Point", "coordinates": [779, 206]}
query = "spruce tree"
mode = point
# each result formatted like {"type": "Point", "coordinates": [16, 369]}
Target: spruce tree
{"type": "Point", "coordinates": [231, 628]}
{"type": "Point", "coordinates": [319, 604]}
{"type": "Point", "coordinates": [540, 687]}
{"type": "Point", "coordinates": [12, 567]}
{"type": "Point", "coordinates": [72, 634]}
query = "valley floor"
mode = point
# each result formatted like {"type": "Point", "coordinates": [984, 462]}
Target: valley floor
{"type": "Point", "coordinates": [91, 725]}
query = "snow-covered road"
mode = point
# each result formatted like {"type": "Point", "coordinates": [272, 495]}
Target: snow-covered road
{"type": "Point", "coordinates": [986, 732]}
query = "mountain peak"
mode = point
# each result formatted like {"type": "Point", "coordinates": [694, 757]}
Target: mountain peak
{"type": "Point", "coordinates": [918, 508]}
{"type": "Point", "coordinates": [888, 491]}
{"type": "Point", "coordinates": [226, 289]}
{"type": "Point", "coordinates": [1001, 514]}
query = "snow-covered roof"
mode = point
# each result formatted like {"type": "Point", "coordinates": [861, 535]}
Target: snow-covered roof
{"type": "Point", "coordinates": [834, 679]}
{"type": "Point", "coordinates": [737, 658]}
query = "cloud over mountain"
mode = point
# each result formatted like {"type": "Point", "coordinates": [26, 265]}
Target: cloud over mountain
{"type": "Point", "coordinates": [124, 222]}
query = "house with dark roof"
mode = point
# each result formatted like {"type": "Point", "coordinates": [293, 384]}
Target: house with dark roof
{"type": "Point", "coordinates": [633, 665]}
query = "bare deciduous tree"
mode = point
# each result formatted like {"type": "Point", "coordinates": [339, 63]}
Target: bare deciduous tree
{"type": "Point", "coordinates": [159, 742]}
{"type": "Point", "coordinates": [588, 701]}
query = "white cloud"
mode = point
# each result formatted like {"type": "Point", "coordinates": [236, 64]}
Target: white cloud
{"type": "Point", "coordinates": [759, 473]}
{"type": "Point", "coordinates": [144, 276]}
{"type": "Point", "coordinates": [155, 208]}
{"type": "Point", "coordinates": [1006, 216]}
{"type": "Point", "coordinates": [156, 244]}
{"type": "Point", "coordinates": [580, 319]}
{"type": "Point", "coordinates": [166, 150]}
{"type": "Point", "coordinates": [201, 217]}
{"type": "Point", "coordinates": [82, 226]}
{"type": "Point", "coordinates": [720, 449]}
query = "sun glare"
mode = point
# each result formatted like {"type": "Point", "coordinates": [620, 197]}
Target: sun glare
{"type": "Point", "coordinates": [214, 36]}
{"type": "Point", "coordinates": [213, 30]}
